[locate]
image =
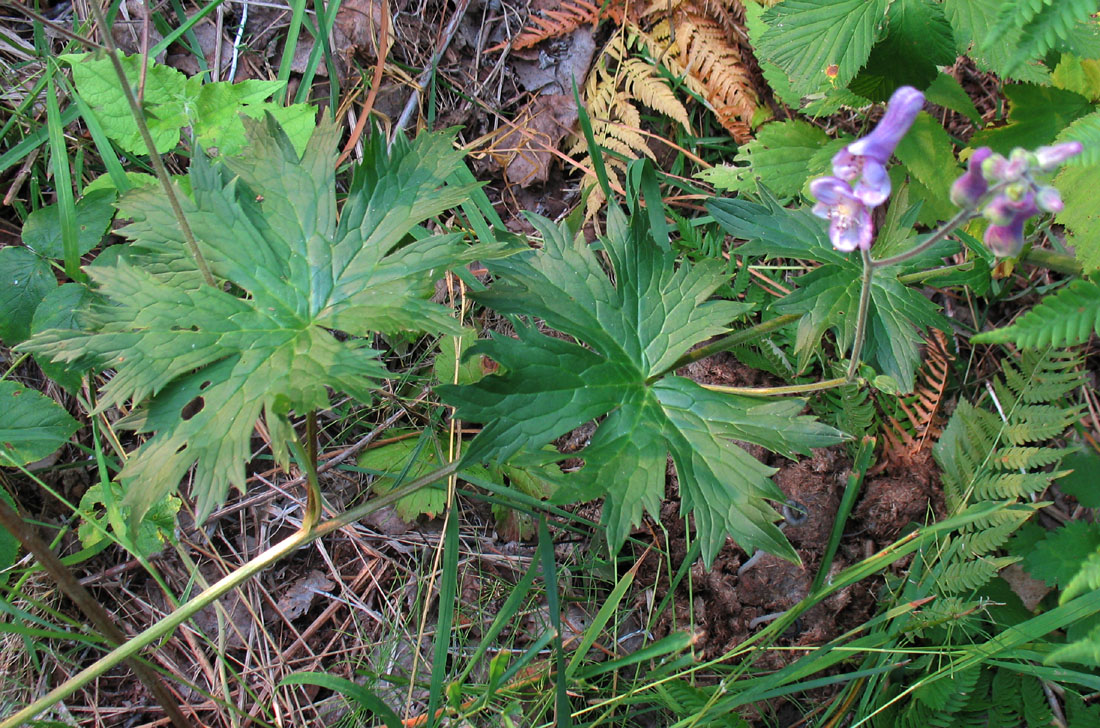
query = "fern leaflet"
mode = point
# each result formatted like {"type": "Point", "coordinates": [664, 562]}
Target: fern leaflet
{"type": "Point", "coordinates": [1067, 317]}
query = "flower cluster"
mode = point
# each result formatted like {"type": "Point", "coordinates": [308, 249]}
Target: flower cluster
{"type": "Point", "coordinates": [860, 182]}
{"type": "Point", "coordinates": [1017, 195]}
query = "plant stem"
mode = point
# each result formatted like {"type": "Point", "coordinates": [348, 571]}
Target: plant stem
{"type": "Point", "coordinates": [92, 609]}
{"type": "Point", "coordinates": [169, 623]}
{"type": "Point", "coordinates": [861, 315]}
{"type": "Point", "coordinates": [776, 391]}
{"type": "Point", "coordinates": [923, 275]}
{"type": "Point", "coordinates": [154, 157]}
{"type": "Point", "coordinates": [728, 342]}
{"type": "Point", "coordinates": [960, 217]}
{"type": "Point", "coordinates": [1059, 262]}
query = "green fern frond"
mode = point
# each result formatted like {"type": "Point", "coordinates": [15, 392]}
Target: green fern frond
{"type": "Point", "coordinates": [990, 534]}
{"type": "Point", "coordinates": [1067, 317]}
{"type": "Point", "coordinates": [968, 575]}
{"type": "Point", "coordinates": [1087, 579]}
{"type": "Point", "coordinates": [1041, 23]}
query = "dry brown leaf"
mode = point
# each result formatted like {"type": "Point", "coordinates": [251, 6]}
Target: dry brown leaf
{"type": "Point", "coordinates": [525, 152]}
{"type": "Point", "coordinates": [299, 597]}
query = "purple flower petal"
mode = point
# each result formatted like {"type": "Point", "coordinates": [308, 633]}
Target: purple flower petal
{"type": "Point", "coordinates": [874, 187]}
{"type": "Point", "coordinates": [848, 232]}
{"type": "Point", "coordinates": [849, 218]}
{"type": "Point", "coordinates": [1006, 241]}
{"type": "Point", "coordinates": [830, 190]}
{"type": "Point", "coordinates": [902, 109]}
{"type": "Point", "coordinates": [969, 189]}
{"type": "Point", "coordinates": [1051, 157]}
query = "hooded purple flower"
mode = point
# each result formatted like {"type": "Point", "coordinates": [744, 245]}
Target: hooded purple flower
{"type": "Point", "coordinates": [969, 189]}
{"type": "Point", "coordinates": [849, 218]}
{"type": "Point", "coordinates": [1050, 158]}
{"type": "Point", "coordinates": [864, 160]}
{"type": "Point", "coordinates": [1006, 241]}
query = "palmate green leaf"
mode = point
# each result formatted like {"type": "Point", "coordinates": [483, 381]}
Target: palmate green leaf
{"type": "Point", "coordinates": [829, 294]}
{"type": "Point", "coordinates": [780, 158]}
{"type": "Point", "coordinates": [268, 226]}
{"type": "Point", "coordinates": [628, 333]}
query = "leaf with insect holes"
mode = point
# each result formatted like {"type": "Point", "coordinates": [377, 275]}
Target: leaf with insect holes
{"type": "Point", "coordinates": [205, 362]}
{"type": "Point", "coordinates": [625, 336]}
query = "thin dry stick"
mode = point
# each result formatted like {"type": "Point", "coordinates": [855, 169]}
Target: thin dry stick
{"type": "Point", "coordinates": [445, 41]}
{"type": "Point", "coordinates": [383, 50]}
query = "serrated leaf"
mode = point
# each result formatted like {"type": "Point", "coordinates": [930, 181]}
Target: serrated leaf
{"type": "Point", "coordinates": [779, 158]}
{"type": "Point", "coordinates": [408, 459]}
{"type": "Point", "coordinates": [94, 212]}
{"type": "Point", "coordinates": [1087, 131]}
{"type": "Point", "coordinates": [105, 514]}
{"type": "Point", "coordinates": [33, 425]}
{"type": "Point", "coordinates": [972, 21]}
{"type": "Point", "coordinates": [58, 310]}
{"type": "Point", "coordinates": [918, 40]}
{"type": "Point", "coordinates": [634, 329]}
{"type": "Point", "coordinates": [828, 296]}
{"type": "Point", "coordinates": [806, 37]}
{"type": "Point", "coordinates": [166, 96]}
{"type": "Point", "coordinates": [25, 279]}
{"type": "Point", "coordinates": [1036, 115]}
{"type": "Point", "coordinates": [1080, 75]}
{"type": "Point", "coordinates": [1081, 215]}
{"type": "Point", "coordinates": [216, 114]}
{"type": "Point", "coordinates": [268, 225]}
{"type": "Point", "coordinates": [947, 92]}
{"type": "Point", "coordinates": [929, 158]}
{"type": "Point", "coordinates": [1057, 558]}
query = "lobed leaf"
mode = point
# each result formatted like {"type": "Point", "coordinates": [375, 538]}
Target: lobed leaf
{"type": "Point", "coordinates": [627, 331]}
{"type": "Point", "coordinates": [205, 362]}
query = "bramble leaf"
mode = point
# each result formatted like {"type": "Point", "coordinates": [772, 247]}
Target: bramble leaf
{"type": "Point", "coordinates": [25, 279]}
{"type": "Point", "coordinates": [918, 40]}
{"type": "Point", "coordinates": [806, 37]}
{"type": "Point", "coordinates": [33, 425]}
{"type": "Point", "coordinates": [632, 331]}
{"type": "Point", "coordinates": [1036, 115]}
{"type": "Point", "coordinates": [206, 361]}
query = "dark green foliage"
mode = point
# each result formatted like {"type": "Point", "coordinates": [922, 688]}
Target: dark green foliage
{"type": "Point", "coordinates": [634, 330]}
{"type": "Point", "coordinates": [829, 294]}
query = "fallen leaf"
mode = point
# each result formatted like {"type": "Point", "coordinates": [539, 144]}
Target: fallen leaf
{"type": "Point", "coordinates": [299, 597]}
{"type": "Point", "coordinates": [525, 152]}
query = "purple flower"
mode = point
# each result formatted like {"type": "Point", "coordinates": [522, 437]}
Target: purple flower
{"type": "Point", "coordinates": [849, 218]}
{"type": "Point", "coordinates": [864, 160]}
{"type": "Point", "coordinates": [1004, 207]}
{"type": "Point", "coordinates": [971, 187]}
{"type": "Point", "coordinates": [1049, 200]}
{"type": "Point", "coordinates": [1006, 241]}
{"type": "Point", "coordinates": [1051, 157]}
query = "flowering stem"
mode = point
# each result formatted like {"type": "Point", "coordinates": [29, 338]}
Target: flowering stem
{"type": "Point", "coordinates": [960, 217]}
{"type": "Point", "coordinates": [1058, 262]}
{"type": "Point", "coordinates": [777, 391]}
{"type": "Point", "coordinates": [861, 316]}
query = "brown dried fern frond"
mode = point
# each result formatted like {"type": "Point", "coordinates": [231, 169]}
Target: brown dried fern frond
{"type": "Point", "coordinates": [708, 54]}
{"type": "Point", "coordinates": [922, 409]}
{"type": "Point", "coordinates": [571, 15]}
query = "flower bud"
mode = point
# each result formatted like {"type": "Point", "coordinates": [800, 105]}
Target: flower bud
{"type": "Point", "coordinates": [971, 186]}
{"type": "Point", "coordinates": [1050, 158]}
{"type": "Point", "coordinates": [1006, 241]}
{"type": "Point", "coordinates": [1049, 200]}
